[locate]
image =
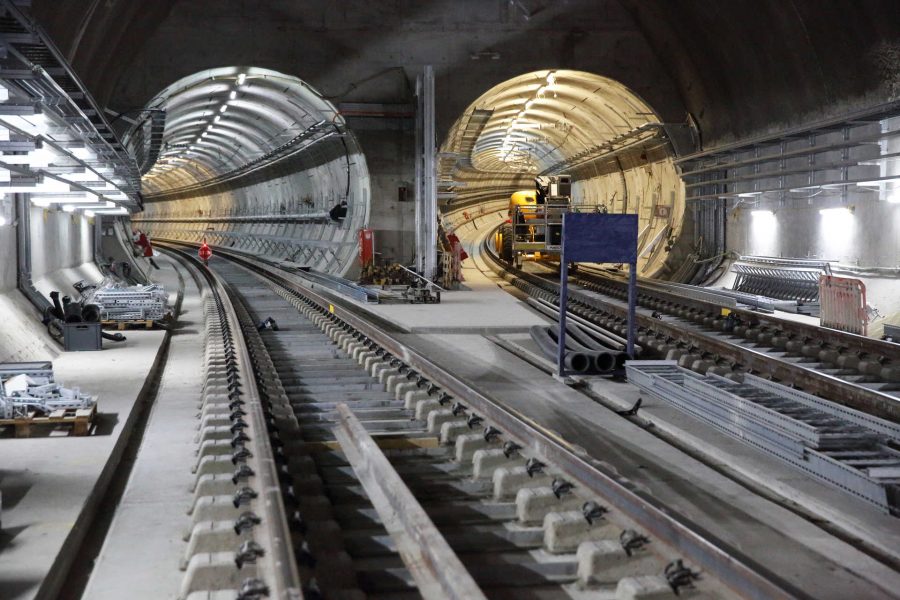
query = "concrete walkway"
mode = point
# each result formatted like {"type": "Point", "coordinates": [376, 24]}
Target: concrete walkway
{"type": "Point", "coordinates": [139, 559]}
{"type": "Point", "coordinates": [53, 485]}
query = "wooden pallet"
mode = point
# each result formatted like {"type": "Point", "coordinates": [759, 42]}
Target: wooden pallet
{"type": "Point", "coordinates": [122, 325]}
{"type": "Point", "coordinates": [81, 420]}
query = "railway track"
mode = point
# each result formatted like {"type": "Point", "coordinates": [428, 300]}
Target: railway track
{"type": "Point", "coordinates": [853, 370]}
{"type": "Point", "coordinates": [336, 462]}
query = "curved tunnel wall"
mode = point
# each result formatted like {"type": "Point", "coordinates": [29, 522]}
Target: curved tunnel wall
{"type": "Point", "coordinates": [561, 121]}
{"type": "Point", "coordinates": [254, 160]}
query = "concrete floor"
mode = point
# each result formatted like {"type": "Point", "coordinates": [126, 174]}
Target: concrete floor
{"type": "Point", "coordinates": [52, 485]}
{"type": "Point", "coordinates": [695, 488]}
{"type": "Point", "coordinates": [157, 495]}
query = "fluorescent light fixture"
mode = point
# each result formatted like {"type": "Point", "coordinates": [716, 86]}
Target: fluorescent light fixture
{"type": "Point", "coordinates": [748, 194]}
{"type": "Point", "coordinates": [241, 78]}
{"type": "Point", "coordinates": [841, 211]}
{"type": "Point", "coordinates": [84, 154]}
{"type": "Point", "coordinates": [51, 186]}
{"type": "Point", "coordinates": [88, 213]}
{"type": "Point", "coordinates": [551, 78]}
{"type": "Point", "coordinates": [68, 208]}
{"type": "Point", "coordinates": [763, 213]}
{"type": "Point", "coordinates": [878, 182]}
{"type": "Point", "coordinates": [67, 199]}
{"type": "Point", "coordinates": [232, 95]}
{"type": "Point", "coordinates": [33, 124]}
{"type": "Point", "coordinates": [216, 120]}
{"type": "Point", "coordinates": [223, 108]}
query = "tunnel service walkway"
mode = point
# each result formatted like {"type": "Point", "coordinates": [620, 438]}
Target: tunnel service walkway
{"type": "Point", "coordinates": [52, 486]}
{"type": "Point", "coordinates": [152, 508]}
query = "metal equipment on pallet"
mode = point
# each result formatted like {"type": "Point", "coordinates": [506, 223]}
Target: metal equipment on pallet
{"type": "Point", "coordinates": [843, 447]}
{"type": "Point", "coordinates": [119, 302]}
{"type": "Point", "coordinates": [33, 390]}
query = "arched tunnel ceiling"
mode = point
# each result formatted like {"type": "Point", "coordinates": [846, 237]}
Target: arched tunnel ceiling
{"type": "Point", "coordinates": [737, 67]}
{"type": "Point", "coordinates": [221, 120]}
{"type": "Point", "coordinates": [541, 118]}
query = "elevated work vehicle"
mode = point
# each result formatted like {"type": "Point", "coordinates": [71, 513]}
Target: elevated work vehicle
{"type": "Point", "coordinates": [534, 228]}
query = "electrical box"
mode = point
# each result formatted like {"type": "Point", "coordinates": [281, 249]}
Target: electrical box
{"type": "Point", "coordinates": [79, 337]}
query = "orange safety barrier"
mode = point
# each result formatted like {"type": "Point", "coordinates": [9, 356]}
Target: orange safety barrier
{"type": "Point", "coordinates": [842, 304]}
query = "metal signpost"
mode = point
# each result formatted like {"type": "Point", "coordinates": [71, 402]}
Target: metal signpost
{"type": "Point", "coordinates": [598, 238]}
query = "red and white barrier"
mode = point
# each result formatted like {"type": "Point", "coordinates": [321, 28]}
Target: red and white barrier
{"type": "Point", "coordinates": [842, 304]}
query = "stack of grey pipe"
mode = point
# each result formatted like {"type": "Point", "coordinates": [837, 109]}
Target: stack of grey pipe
{"type": "Point", "coordinates": [589, 349]}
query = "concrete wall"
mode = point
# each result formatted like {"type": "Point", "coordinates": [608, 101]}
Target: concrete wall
{"type": "Point", "coordinates": [59, 240]}
{"type": "Point", "coordinates": [390, 154]}
{"type": "Point", "coordinates": [8, 257]}
{"type": "Point", "coordinates": [61, 244]}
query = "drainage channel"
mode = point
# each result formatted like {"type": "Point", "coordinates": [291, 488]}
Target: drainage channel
{"type": "Point", "coordinates": [505, 508]}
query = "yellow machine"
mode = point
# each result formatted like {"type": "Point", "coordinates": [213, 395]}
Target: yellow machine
{"type": "Point", "coordinates": [534, 228]}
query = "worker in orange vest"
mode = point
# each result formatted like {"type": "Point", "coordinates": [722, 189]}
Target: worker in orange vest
{"type": "Point", "coordinates": [205, 253]}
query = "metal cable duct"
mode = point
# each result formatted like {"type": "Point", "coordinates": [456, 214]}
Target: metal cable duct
{"type": "Point", "coordinates": [254, 160]}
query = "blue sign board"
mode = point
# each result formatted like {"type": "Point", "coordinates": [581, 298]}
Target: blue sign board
{"type": "Point", "coordinates": [600, 238]}
{"type": "Point", "coordinates": [597, 238]}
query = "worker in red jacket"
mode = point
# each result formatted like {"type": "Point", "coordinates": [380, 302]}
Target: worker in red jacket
{"type": "Point", "coordinates": [140, 239]}
{"type": "Point", "coordinates": [205, 253]}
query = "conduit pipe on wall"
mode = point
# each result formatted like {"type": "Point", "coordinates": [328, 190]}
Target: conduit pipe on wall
{"type": "Point", "coordinates": [23, 251]}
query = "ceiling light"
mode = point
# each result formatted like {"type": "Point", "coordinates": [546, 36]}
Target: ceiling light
{"type": "Point", "coordinates": [68, 208]}
{"type": "Point", "coordinates": [232, 95]}
{"type": "Point", "coordinates": [216, 120]}
{"type": "Point", "coordinates": [841, 211]}
{"type": "Point", "coordinates": [763, 213]}
{"type": "Point", "coordinates": [88, 213]}
{"type": "Point", "coordinates": [223, 108]}
{"type": "Point", "coordinates": [551, 78]}
{"type": "Point", "coordinates": [241, 78]}
{"type": "Point", "coordinates": [748, 194]}
{"type": "Point", "coordinates": [67, 199]}
{"type": "Point", "coordinates": [83, 154]}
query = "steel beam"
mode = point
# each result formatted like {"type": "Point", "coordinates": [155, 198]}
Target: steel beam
{"type": "Point", "coordinates": [438, 572]}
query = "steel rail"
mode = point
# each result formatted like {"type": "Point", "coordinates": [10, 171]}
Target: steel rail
{"type": "Point", "coordinates": [828, 386]}
{"type": "Point", "coordinates": [436, 569]}
{"type": "Point", "coordinates": [278, 566]}
{"type": "Point", "coordinates": [839, 339]}
{"type": "Point", "coordinates": [735, 570]}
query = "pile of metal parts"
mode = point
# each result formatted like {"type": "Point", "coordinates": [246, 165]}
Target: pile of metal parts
{"type": "Point", "coordinates": [590, 349]}
{"type": "Point", "coordinates": [846, 448]}
{"type": "Point", "coordinates": [793, 281]}
{"type": "Point", "coordinates": [29, 388]}
{"type": "Point", "coordinates": [120, 302]}
{"type": "Point", "coordinates": [68, 310]}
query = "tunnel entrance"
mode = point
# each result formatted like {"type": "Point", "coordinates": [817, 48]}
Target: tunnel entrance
{"type": "Point", "coordinates": [549, 122]}
{"type": "Point", "coordinates": [254, 160]}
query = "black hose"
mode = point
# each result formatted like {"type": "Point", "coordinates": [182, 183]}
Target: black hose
{"type": "Point", "coordinates": [73, 312]}
{"type": "Point", "coordinates": [602, 361]}
{"type": "Point", "coordinates": [574, 360]}
{"type": "Point", "coordinates": [90, 313]}
{"type": "Point", "coordinates": [57, 307]}
{"type": "Point", "coordinates": [113, 337]}
{"type": "Point", "coordinates": [583, 336]}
